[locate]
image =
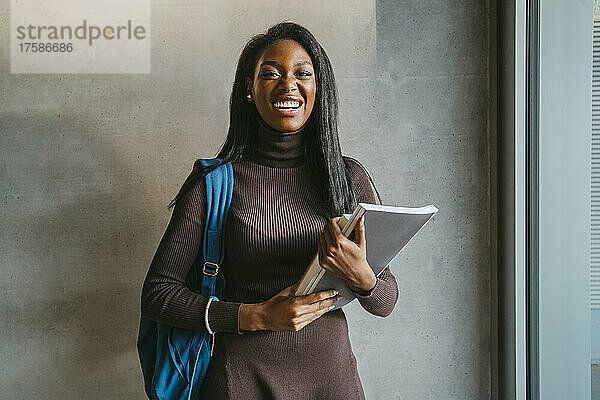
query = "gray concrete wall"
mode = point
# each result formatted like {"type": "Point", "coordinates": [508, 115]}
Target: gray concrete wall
{"type": "Point", "coordinates": [88, 164]}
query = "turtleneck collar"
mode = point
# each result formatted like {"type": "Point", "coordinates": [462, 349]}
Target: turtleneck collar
{"type": "Point", "coordinates": [278, 149]}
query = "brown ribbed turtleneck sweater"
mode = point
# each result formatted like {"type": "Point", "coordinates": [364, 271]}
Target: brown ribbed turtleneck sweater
{"type": "Point", "coordinates": [273, 228]}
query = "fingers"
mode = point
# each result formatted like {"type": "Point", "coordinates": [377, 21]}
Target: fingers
{"type": "Point", "coordinates": [314, 302]}
{"type": "Point", "coordinates": [334, 228]}
{"type": "Point", "coordinates": [325, 304]}
{"type": "Point", "coordinates": [307, 318]}
{"type": "Point", "coordinates": [316, 311]}
{"type": "Point", "coordinates": [294, 312]}
{"type": "Point", "coordinates": [328, 235]}
{"type": "Point", "coordinates": [322, 250]}
{"type": "Point", "coordinates": [329, 242]}
{"type": "Point", "coordinates": [319, 296]}
{"type": "Point", "coordinates": [318, 306]}
{"type": "Point", "coordinates": [359, 235]}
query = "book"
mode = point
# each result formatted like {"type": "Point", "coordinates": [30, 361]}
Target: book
{"type": "Point", "coordinates": [388, 229]}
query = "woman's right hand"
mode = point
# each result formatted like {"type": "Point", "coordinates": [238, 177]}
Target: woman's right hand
{"type": "Point", "coordinates": [287, 312]}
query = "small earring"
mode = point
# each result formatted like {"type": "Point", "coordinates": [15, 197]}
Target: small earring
{"type": "Point", "coordinates": [249, 96]}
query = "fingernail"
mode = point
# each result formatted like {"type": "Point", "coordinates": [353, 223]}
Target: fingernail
{"type": "Point", "coordinates": [335, 292]}
{"type": "Point", "coordinates": [331, 307]}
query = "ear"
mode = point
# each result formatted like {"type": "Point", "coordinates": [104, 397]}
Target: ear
{"type": "Point", "coordinates": [248, 85]}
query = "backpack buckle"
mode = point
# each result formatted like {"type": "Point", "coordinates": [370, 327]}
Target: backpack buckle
{"type": "Point", "coordinates": [210, 273]}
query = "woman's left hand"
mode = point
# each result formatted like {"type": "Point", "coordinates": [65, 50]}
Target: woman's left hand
{"type": "Point", "coordinates": [345, 258]}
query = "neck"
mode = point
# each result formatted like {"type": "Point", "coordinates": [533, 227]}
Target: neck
{"type": "Point", "coordinates": [278, 149]}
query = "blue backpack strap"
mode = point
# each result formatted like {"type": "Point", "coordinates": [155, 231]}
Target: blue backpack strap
{"type": "Point", "coordinates": [219, 188]}
{"type": "Point", "coordinates": [174, 361]}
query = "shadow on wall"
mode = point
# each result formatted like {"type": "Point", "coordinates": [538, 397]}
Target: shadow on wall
{"type": "Point", "coordinates": [73, 216]}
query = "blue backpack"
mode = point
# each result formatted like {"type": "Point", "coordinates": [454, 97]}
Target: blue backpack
{"type": "Point", "coordinates": [174, 361]}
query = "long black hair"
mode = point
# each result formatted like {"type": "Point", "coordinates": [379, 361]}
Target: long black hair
{"type": "Point", "coordinates": [321, 145]}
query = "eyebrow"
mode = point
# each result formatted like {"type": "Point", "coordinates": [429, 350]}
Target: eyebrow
{"type": "Point", "coordinates": [277, 65]}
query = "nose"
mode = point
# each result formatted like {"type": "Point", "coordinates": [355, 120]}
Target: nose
{"type": "Point", "coordinates": [288, 83]}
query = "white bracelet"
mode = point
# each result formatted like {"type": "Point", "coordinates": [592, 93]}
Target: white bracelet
{"type": "Point", "coordinates": [211, 298]}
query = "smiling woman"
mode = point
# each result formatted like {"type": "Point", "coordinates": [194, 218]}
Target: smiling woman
{"type": "Point", "coordinates": [283, 86]}
{"type": "Point", "coordinates": [291, 183]}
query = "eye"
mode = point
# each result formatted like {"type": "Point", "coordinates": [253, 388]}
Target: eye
{"type": "Point", "coordinates": [304, 73]}
{"type": "Point", "coordinates": [269, 74]}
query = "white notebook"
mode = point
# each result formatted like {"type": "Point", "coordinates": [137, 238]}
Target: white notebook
{"type": "Point", "coordinates": [388, 230]}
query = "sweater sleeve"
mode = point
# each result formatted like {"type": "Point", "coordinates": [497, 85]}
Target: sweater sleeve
{"type": "Point", "coordinates": [165, 298]}
{"type": "Point", "coordinates": [382, 298]}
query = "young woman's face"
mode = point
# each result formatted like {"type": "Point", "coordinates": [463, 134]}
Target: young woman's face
{"type": "Point", "coordinates": [283, 86]}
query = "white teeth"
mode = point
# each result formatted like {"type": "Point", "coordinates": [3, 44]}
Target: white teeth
{"type": "Point", "coordinates": [287, 104]}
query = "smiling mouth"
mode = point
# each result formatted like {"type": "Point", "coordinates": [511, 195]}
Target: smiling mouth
{"type": "Point", "coordinates": [287, 105]}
